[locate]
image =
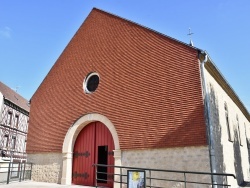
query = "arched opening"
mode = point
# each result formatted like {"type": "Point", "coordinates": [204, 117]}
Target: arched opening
{"type": "Point", "coordinates": [70, 139]}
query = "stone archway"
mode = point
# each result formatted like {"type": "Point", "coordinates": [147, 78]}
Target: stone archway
{"type": "Point", "coordinates": [71, 136]}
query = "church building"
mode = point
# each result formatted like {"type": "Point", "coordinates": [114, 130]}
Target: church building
{"type": "Point", "coordinates": [126, 95]}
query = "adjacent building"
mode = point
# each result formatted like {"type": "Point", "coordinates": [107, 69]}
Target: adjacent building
{"type": "Point", "coordinates": [135, 97]}
{"type": "Point", "coordinates": [14, 119]}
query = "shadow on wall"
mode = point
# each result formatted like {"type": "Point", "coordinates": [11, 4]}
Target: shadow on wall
{"type": "Point", "coordinates": [237, 158]}
{"type": "Point", "coordinates": [217, 144]}
{"type": "Point", "coordinates": [248, 149]}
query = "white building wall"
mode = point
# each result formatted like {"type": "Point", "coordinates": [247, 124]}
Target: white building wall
{"type": "Point", "coordinates": [230, 156]}
{"type": "Point", "coordinates": [14, 129]}
{"type": "Point", "coordinates": [1, 103]}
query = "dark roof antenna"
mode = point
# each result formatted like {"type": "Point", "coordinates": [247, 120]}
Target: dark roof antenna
{"type": "Point", "coordinates": [190, 34]}
{"type": "Point", "coordinates": [16, 88]}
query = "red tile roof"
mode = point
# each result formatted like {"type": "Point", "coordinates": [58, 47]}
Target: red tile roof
{"type": "Point", "coordinates": [149, 88]}
{"type": "Point", "coordinates": [14, 97]}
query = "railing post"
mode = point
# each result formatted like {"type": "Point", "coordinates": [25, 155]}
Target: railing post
{"type": "Point", "coordinates": [185, 183]}
{"type": "Point", "coordinates": [96, 172]}
{"type": "Point", "coordinates": [24, 165]}
{"type": "Point", "coordinates": [150, 183]}
{"type": "Point", "coordinates": [30, 169]}
{"type": "Point", "coordinates": [20, 175]}
{"type": "Point", "coordinates": [121, 178]}
{"type": "Point", "coordinates": [8, 176]}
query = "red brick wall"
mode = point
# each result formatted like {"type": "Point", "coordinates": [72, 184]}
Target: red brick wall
{"type": "Point", "coordinates": [149, 88]}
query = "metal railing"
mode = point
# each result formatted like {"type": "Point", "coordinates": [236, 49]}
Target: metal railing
{"type": "Point", "coordinates": [15, 171]}
{"type": "Point", "coordinates": [159, 178]}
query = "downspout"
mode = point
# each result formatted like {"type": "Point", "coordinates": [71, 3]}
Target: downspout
{"type": "Point", "coordinates": [210, 132]}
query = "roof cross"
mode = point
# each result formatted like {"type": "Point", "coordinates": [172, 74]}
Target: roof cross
{"type": "Point", "coordinates": [190, 34]}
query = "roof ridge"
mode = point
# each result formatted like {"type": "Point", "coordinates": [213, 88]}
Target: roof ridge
{"type": "Point", "coordinates": [145, 27]}
{"type": "Point", "coordinates": [13, 91]}
{"type": "Point", "coordinates": [14, 97]}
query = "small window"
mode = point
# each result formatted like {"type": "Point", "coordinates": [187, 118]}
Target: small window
{"type": "Point", "coordinates": [91, 82]}
{"type": "Point", "coordinates": [227, 123]}
{"type": "Point", "coordinates": [16, 120]}
{"type": "Point", "coordinates": [13, 142]}
{"type": "Point", "coordinates": [247, 140]}
{"type": "Point", "coordinates": [9, 118]}
{"type": "Point", "coordinates": [238, 129]}
{"type": "Point", "coordinates": [6, 141]}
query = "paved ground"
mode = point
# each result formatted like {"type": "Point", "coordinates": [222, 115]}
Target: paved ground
{"type": "Point", "coordinates": [32, 184]}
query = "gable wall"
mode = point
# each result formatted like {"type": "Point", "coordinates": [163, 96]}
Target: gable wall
{"type": "Point", "coordinates": [149, 88]}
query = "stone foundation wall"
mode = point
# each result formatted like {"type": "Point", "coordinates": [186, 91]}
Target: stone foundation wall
{"type": "Point", "coordinates": [182, 159]}
{"type": "Point", "coordinates": [47, 167]}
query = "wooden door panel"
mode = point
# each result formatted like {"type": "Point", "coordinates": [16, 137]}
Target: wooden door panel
{"type": "Point", "coordinates": [84, 156]}
{"type": "Point", "coordinates": [92, 138]}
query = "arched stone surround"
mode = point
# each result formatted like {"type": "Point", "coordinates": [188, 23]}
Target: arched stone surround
{"type": "Point", "coordinates": [71, 136]}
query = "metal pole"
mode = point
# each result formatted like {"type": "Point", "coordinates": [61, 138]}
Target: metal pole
{"type": "Point", "coordinates": [24, 165]}
{"type": "Point", "coordinates": [121, 178]}
{"type": "Point", "coordinates": [96, 172]}
{"type": "Point", "coordinates": [20, 176]}
{"type": "Point", "coordinates": [149, 179]}
{"type": "Point", "coordinates": [8, 177]}
{"type": "Point", "coordinates": [185, 180]}
{"type": "Point", "coordinates": [210, 131]}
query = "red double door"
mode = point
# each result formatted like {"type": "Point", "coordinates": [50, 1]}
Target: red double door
{"type": "Point", "coordinates": [94, 145]}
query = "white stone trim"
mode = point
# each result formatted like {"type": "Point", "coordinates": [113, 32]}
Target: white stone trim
{"type": "Point", "coordinates": [85, 82]}
{"type": "Point", "coordinates": [70, 139]}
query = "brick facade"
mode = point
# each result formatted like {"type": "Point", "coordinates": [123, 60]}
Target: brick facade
{"type": "Point", "coordinates": [150, 88]}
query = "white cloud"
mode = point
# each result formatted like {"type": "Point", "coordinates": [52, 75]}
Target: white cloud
{"type": "Point", "coordinates": [5, 32]}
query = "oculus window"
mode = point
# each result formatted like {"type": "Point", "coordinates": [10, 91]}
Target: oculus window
{"type": "Point", "coordinates": [91, 82]}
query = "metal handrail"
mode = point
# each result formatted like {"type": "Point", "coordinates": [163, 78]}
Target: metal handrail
{"type": "Point", "coordinates": [185, 181]}
{"type": "Point", "coordinates": [23, 171]}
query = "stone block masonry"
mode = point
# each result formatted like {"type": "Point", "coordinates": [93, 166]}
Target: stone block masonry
{"type": "Point", "coordinates": [181, 159]}
{"type": "Point", "coordinates": [47, 167]}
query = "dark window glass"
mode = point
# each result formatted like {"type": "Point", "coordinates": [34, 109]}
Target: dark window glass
{"type": "Point", "coordinates": [6, 140]}
{"type": "Point", "coordinates": [13, 143]}
{"type": "Point", "coordinates": [9, 118]}
{"type": "Point", "coordinates": [16, 120]}
{"type": "Point", "coordinates": [92, 83]}
{"type": "Point", "coordinates": [227, 122]}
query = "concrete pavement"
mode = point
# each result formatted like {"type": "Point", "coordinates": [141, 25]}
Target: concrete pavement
{"type": "Point", "coordinates": [33, 184]}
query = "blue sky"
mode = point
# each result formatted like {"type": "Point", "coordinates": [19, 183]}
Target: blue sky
{"type": "Point", "coordinates": [33, 34]}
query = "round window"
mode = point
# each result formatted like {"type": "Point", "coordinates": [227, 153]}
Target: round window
{"type": "Point", "coordinates": [91, 82]}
